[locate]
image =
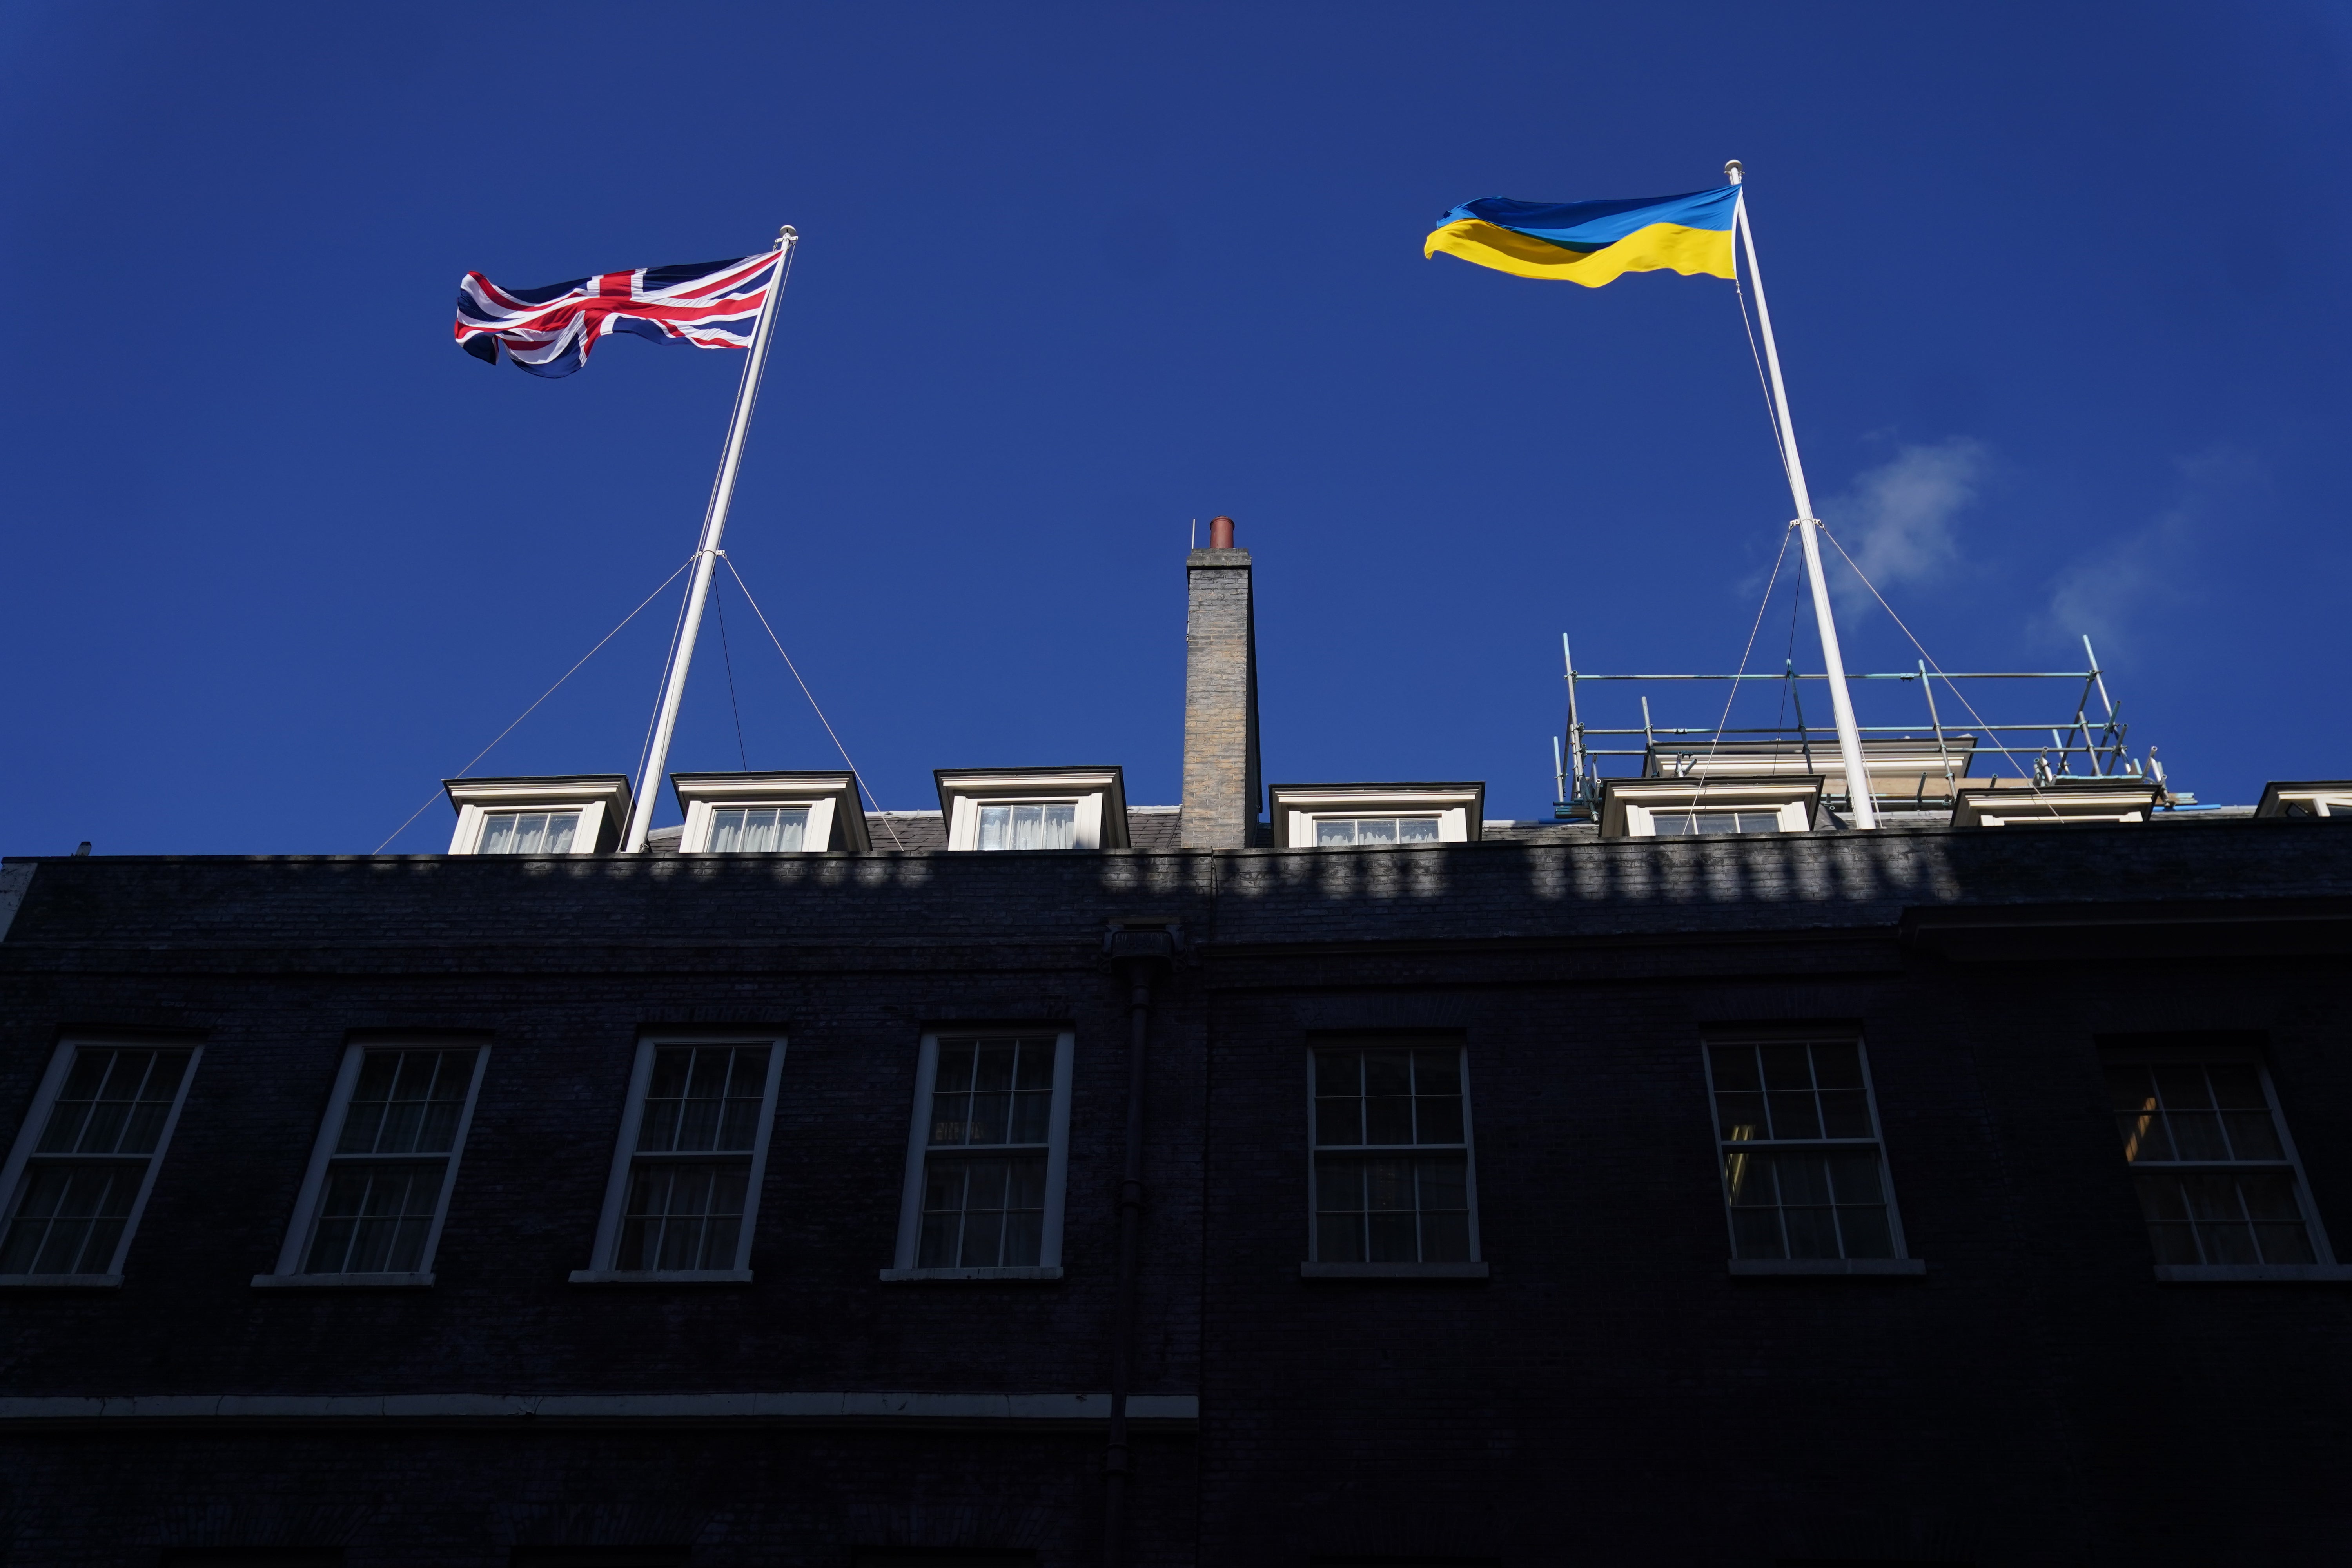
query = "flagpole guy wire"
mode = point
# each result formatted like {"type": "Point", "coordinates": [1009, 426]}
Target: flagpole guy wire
{"type": "Point", "coordinates": [543, 697]}
{"type": "Point", "coordinates": [705, 553]}
{"type": "Point", "coordinates": [856, 777]}
{"type": "Point", "coordinates": [1857, 777]}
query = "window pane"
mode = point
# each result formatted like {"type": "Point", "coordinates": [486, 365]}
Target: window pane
{"type": "Point", "coordinates": [1845, 1113]}
{"type": "Point", "coordinates": [1050, 825]}
{"type": "Point", "coordinates": [376, 1219]}
{"type": "Point", "coordinates": [1438, 1118]}
{"type": "Point", "coordinates": [683, 1217]}
{"type": "Point", "coordinates": [1340, 1237]}
{"type": "Point", "coordinates": [1837, 1064]}
{"type": "Point", "coordinates": [1864, 1232]}
{"type": "Point", "coordinates": [68, 1219]}
{"type": "Point", "coordinates": [2196, 1134]}
{"type": "Point", "coordinates": [993, 1092]}
{"type": "Point", "coordinates": [703, 1099]}
{"type": "Point", "coordinates": [406, 1102]}
{"type": "Point", "coordinates": [114, 1101]}
{"type": "Point", "coordinates": [1789, 1204]}
{"type": "Point", "coordinates": [1417, 830]}
{"type": "Point", "coordinates": [528, 832]}
{"type": "Point", "coordinates": [758, 830]}
{"type": "Point", "coordinates": [1376, 830]}
{"type": "Point", "coordinates": [1683, 824]}
{"type": "Point", "coordinates": [1328, 831]}
{"type": "Point", "coordinates": [1392, 1210]}
{"type": "Point", "coordinates": [1735, 1067]}
{"type": "Point", "coordinates": [983, 1212]}
{"type": "Point", "coordinates": [2252, 1135]}
{"type": "Point", "coordinates": [2214, 1113]}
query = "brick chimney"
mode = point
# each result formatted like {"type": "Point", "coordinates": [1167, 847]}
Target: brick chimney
{"type": "Point", "coordinates": [1221, 769]}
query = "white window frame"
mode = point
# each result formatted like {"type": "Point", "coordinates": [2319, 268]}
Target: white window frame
{"type": "Point", "coordinates": [1085, 827]}
{"type": "Point", "coordinates": [1902, 1262]}
{"type": "Point", "coordinates": [1315, 1268]}
{"type": "Point", "coordinates": [1452, 826]}
{"type": "Point", "coordinates": [814, 837]}
{"type": "Point", "coordinates": [1641, 821]}
{"type": "Point", "coordinates": [600, 1270]}
{"type": "Point", "coordinates": [37, 1121]}
{"type": "Point", "coordinates": [323, 1157]}
{"type": "Point", "coordinates": [2324, 1266]}
{"type": "Point", "coordinates": [918, 1143]}
{"type": "Point", "coordinates": [1295, 809]}
{"type": "Point", "coordinates": [473, 820]}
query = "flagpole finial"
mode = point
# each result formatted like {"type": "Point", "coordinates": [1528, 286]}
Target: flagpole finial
{"type": "Point", "coordinates": [1731, 171]}
{"type": "Point", "coordinates": [787, 235]}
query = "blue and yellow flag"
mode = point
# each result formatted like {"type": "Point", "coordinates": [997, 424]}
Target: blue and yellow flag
{"type": "Point", "coordinates": [1592, 242]}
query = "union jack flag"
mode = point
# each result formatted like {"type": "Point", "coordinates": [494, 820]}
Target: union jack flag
{"type": "Point", "coordinates": [549, 331]}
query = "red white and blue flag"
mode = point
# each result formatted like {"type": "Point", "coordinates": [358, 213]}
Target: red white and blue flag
{"type": "Point", "coordinates": [549, 331]}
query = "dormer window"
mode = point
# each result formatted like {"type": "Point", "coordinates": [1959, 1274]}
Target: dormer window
{"type": "Point", "coordinates": [1331, 830]}
{"type": "Point", "coordinates": [528, 832]}
{"type": "Point", "coordinates": [1699, 806]}
{"type": "Point", "coordinates": [2063, 802]}
{"type": "Point", "coordinates": [1689, 823]}
{"type": "Point", "coordinates": [2331, 799]}
{"type": "Point", "coordinates": [1034, 808]}
{"type": "Point", "coordinates": [530, 817]}
{"type": "Point", "coordinates": [770, 813]}
{"type": "Point", "coordinates": [758, 830]}
{"type": "Point", "coordinates": [1345, 816]}
{"type": "Point", "coordinates": [1029, 824]}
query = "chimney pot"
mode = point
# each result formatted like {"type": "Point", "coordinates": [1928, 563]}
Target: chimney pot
{"type": "Point", "coordinates": [1221, 533]}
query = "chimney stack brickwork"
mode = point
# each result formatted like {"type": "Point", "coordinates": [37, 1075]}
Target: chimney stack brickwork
{"type": "Point", "coordinates": [1221, 761]}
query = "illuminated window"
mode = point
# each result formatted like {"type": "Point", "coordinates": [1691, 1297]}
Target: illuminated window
{"type": "Point", "coordinates": [1391, 1135]}
{"type": "Point", "coordinates": [2218, 1179]}
{"type": "Point", "coordinates": [1804, 1176]}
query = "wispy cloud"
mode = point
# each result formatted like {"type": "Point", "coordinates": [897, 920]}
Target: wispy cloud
{"type": "Point", "coordinates": [1896, 519]}
{"type": "Point", "coordinates": [2151, 569]}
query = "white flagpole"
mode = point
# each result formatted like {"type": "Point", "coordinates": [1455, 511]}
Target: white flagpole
{"type": "Point", "coordinates": [705, 555]}
{"type": "Point", "coordinates": [1857, 787]}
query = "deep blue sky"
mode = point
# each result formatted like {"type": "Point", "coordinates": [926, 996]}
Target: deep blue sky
{"type": "Point", "coordinates": [2060, 290]}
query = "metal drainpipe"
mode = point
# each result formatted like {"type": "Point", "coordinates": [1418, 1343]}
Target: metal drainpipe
{"type": "Point", "coordinates": [1138, 955]}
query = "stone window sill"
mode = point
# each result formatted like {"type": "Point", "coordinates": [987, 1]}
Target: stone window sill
{"type": "Point", "coordinates": [920, 1276]}
{"type": "Point", "coordinates": [61, 1281]}
{"type": "Point", "coordinates": [1793, 1267]}
{"type": "Point", "coordinates": [1393, 1271]}
{"type": "Point", "coordinates": [342, 1281]}
{"type": "Point", "coordinates": [2250, 1273]}
{"type": "Point", "coordinates": [660, 1277]}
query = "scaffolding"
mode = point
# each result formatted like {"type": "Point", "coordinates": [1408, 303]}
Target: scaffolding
{"type": "Point", "coordinates": [1913, 766]}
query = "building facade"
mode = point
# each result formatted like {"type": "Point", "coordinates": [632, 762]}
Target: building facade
{"type": "Point", "coordinates": [1051, 1180]}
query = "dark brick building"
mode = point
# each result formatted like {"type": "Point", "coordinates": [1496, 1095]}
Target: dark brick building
{"type": "Point", "coordinates": [1505, 1193]}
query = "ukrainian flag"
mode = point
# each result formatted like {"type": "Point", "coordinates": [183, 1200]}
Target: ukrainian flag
{"type": "Point", "coordinates": [1593, 243]}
